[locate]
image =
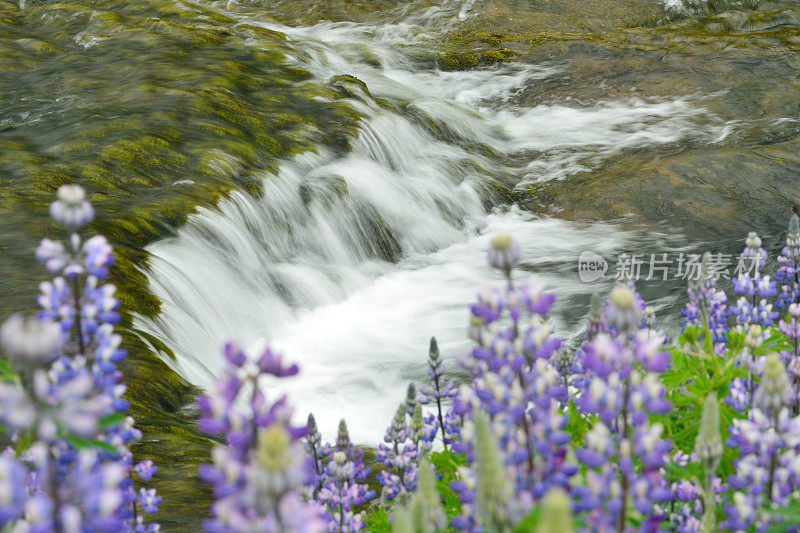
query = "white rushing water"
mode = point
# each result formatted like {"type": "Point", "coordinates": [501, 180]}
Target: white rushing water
{"type": "Point", "coordinates": [349, 263]}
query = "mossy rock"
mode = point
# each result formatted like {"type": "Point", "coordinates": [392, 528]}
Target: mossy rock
{"type": "Point", "coordinates": [175, 108]}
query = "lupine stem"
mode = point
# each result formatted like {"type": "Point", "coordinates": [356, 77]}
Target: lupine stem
{"type": "Point", "coordinates": [623, 476]}
{"type": "Point", "coordinates": [78, 321]}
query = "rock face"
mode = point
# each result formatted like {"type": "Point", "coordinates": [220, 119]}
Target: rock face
{"type": "Point", "coordinates": [737, 62]}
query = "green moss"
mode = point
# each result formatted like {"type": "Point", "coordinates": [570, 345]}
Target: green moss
{"type": "Point", "coordinates": [467, 50]}
{"type": "Point", "coordinates": [178, 106]}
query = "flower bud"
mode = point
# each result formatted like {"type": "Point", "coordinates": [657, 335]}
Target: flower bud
{"type": "Point", "coordinates": [505, 253]}
{"type": "Point", "coordinates": [624, 311]}
{"type": "Point", "coordinates": [708, 445]}
{"type": "Point", "coordinates": [314, 438]}
{"type": "Point", "coordinates": [71, 208]}
{"type": "Point", "coordinates": [433, 353]}
{"type": "Point", "coordinates": [426, 512]}
{"type": "Point", "coordinates": [775, 389]}
{"type": "Point", "coordinates": [753, 241]}
{"type": "Point", "coordinates": [411, 399]}
{"type": "Point", "coordinates": [556, 514]}
{"type": "Point", "coordinates": [343, 437]}
{"type": "Point", "coordinates": [754, 339]}
{"type": "Point", "coordinates": [493, 490]}
{"type": "Point", "coordinates": [793, 234]}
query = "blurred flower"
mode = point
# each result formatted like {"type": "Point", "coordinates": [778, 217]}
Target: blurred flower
{"type": "Point", "coordinates": [71, 208]}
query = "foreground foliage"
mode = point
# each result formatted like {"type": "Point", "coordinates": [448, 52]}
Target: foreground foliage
{"type": "Point", "coordinates": [624, 432]}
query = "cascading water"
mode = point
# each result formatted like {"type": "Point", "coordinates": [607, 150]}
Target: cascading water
{"type": "Point", "coordinates": [350, 263]}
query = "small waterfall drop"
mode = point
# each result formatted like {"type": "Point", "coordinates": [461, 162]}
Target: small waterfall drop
{"type": "Point", "coordinates": [349, 263]}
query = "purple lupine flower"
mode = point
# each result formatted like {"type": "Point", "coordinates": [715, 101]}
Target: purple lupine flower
{"type": "Point", "coordinates": [687, 507]}
{"type": "Point", "coordinates": [752, 306]}
{"type": "Point", "coordinates": [257, 475]}
{"type": "Point", "coordinates": [741, 390]}
{"type": "Point", "coordinates": [399, 457]}
{"type": "Point", "coordinates": [69, 386]}
{"type": "Point", "coordinates": [272, 363]}
{"type": "Point", "coordinates": [317, 453]}
{"type": "Point", "coordinates": [437, 392]}
{"type": "Point", "coordinates": [13, 488]}
{"type": "Point", "coordinates": [768, 469]}
{"type": "Point", "coordinates": [518, 379]}
{"type": "Point", "coordinates": [146, 469]}
{"type": "Point", "coordinates": [341, 491]}
{"type": "Point", "coordinates": [621, 389]}
{"type": "Point", "coordinates": [707, 302]}
{"type": "Point", "coordinates": [788, 274]}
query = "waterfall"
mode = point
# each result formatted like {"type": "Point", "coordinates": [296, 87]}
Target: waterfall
{"type": "Point", "coordinates": [350, 263]}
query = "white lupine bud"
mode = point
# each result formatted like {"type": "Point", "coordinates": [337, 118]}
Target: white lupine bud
{"type": "Point", "coordinates": [753, 241]}
{"type": "Point", "coordinates": [775, 389]}
{"type": "Point", "coordinates": [556, 514]}
{"type": "Point", "coordinates": [493, 491]}
{"type": "Point", "coordinates": [426, 512]}
{"type": "Point", "coordinates": [708, 445]}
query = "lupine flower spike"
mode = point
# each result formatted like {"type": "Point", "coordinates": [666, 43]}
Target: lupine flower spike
{"type": "Point", "coordinates": [439, 391]}
{"type": "Point", "coordinates": [341, 491]}
{"type": "Point", "coordinates": [259, 473]}
{"type": "Point", "coordinates": [78, 473]}
{"type": "Point", "coordinates": [708, 450]}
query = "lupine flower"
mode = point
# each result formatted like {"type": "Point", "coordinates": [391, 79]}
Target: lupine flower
{"type": "Point", "coordinates": [622, 390]}
{"type": "Point", "coordinates": [686, 507]}
{"type": "Point", "coordinates": [30, 342]}
{"type": "Point", "coordinates": [438, 391]}
{"type": "Point", "coordinates": [399, 457]}
{"type": "Point", "coordinates": [68, 392]}
{"type": "Point", "coordinates": [752, 307]}
{"type": "Point", "coordinates": [788, 274]}
{"type": "Point", "coordinates": [258, 474]}
{"type": "Point", "coordinates": [341, 489]}
{"type": "Point", "coordinates": [516, 383]}
{"type": "Point", "coordinates": [707, 302]}
{"type": "Point", "coordinates": [316, 454]}
{"type": "Point", "coordinates": [742, 389]}
{"type": "Point", "coordinates": [768, 470]}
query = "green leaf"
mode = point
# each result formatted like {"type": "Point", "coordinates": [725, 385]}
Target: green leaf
{"type": "Point", "coordinates": [82, 443]}
{"type": "Point", "coordinates": [530, 522]}
{"type": "Point", "coordinates": [378, 521]}
{"type": "Point", "coordinates": [6, 372]}
{"type": "Point", "coordinates": [112, 420]}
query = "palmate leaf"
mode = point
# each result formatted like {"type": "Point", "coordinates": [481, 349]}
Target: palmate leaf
{"type": "Point", "coordinates": [378, 521]}
{"type": "Point", "coordinates": [447, 463]}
